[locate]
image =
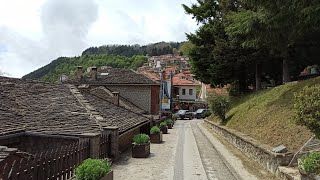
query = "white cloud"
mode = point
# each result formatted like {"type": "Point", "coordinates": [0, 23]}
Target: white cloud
{"type": "Point", "coordinates": [34, 32]}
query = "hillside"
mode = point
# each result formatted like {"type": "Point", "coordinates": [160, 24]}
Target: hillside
{"type": "Point", "coordinates": [117, 56]}
{"type": "Point", "coordinates": [267, 116]}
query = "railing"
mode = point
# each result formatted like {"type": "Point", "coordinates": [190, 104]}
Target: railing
{"type": "Point", "coordinates": [58, 164]}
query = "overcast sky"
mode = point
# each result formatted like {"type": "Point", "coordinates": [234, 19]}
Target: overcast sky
{"type": "Point", "coordinates": [35, 32]}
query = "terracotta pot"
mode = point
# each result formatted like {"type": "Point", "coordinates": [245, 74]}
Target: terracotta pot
{"type": "Point", "coordinates": [156, 138]}
{"type": "Point", "coordinates": [164, 129]}
{"type": "Point", "coordinates": [108, 176]}
{"type": "Point", "coordinates": [140, 150]}
{"type": "Point", "coordinates": [169, 126]}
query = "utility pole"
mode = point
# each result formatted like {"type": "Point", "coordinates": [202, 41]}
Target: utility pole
{"type": "Point", "coordinates": [171, 92]}
{"type": "Point", "coordinates": [160, 95]}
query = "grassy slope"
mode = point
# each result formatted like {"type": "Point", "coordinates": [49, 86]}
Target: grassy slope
{"type": "Point", "coordinates": [268, 116]}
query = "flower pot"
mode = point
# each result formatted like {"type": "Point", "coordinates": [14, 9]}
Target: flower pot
{"type": "Point", "coordinates": [164, 129]}
{"type": "Point", "coordinates": [169, 126]}
{"type": "Point", "coordinates": [108, 176]}
{"type": "Point", "coordinates": [140, 150]}
{"type": "Point", "coordinates": [156, 138]}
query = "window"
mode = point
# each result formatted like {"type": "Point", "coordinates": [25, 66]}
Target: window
{"type": "Point", "coordinates": [190, 91]}
{"type": "Point", "coordinates": [183, 91]}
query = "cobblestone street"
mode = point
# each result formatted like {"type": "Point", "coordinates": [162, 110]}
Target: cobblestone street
{"type": "Point", "coordinates": [185, 154]}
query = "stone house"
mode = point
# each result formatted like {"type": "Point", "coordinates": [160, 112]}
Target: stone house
{"type": "Point", "coordinates": [136, 88]}
{"type": "Point", "coordinates": [38, 116]}
{"type": "Point", "coordinates": [186, 89]}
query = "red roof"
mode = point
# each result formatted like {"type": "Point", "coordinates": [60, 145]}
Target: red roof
{"type": "Point", "coordinates": [180, 75]}
{"type": "Point", "coordinates": [152, 76]}
{"type": "Point", "coordinates": [183, 82]}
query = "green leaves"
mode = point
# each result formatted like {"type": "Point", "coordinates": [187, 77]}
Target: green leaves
{"type": "Point", "coordinates": [92, 169]}
{"type": "Point", "coordinates": [141, 139]}
{"type": "Point", "coordinates": [310, 163]}
{"type": "Point", "coordinates": [154, 130]}
{"type": "Point", "coordinates": [307, 107]}
{"type": "Point", "coordinates": [218, 104]}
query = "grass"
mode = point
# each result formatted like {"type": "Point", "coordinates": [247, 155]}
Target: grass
{"type": "Point", "coordinates": [267, 116]}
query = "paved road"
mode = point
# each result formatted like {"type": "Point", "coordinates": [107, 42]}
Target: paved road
{"type": "Point", "coordinates": [185, 154]}
{"type": "Point", "coordinates": [196, 158]}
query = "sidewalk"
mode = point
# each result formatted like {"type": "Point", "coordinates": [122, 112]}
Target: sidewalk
{"type": "Point", "coordinates": [158, 166]}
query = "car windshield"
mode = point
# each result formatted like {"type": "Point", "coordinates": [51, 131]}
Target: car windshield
{"type": "Point", "coordinates": [182, 111]}
{"type": "Point", "coordinates": [199, 110]}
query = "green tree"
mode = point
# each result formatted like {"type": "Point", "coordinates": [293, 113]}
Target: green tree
{"type": "Point", "coordinates": [186, 48]}
{"type": "Point", "coordinates": [214, 58]}
{"type": "Point", "coordinates": [275, 25]}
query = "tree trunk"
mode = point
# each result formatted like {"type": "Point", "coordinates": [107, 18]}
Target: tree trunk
{"type": "Point", "coordinates": [258, 76]}
{"type": "Point", "coordinates": [242, 79]}
{"type": "Point", "coordinates": [285, 71]}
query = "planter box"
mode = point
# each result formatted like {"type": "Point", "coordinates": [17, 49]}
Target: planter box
{"type": "Point", "coordinates": [108, 176]}
{"type": "Point", "coordinates": [169, 126]}
{"type": "Point", "coordinates": [164, 129]}
{"type": "Point", "coordinates": [156, 138]}
{"type": "Point", "coordinates": [140, 150]}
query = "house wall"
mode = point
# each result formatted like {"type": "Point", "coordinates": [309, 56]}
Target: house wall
{"type": "Point", "coordinates": [125, 140]}
{"type": "Point", "coordinates": [187, 96]}
{"type": "Point", "coordinates": [139, 95]}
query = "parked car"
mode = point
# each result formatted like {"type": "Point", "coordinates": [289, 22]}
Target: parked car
{"type": "Point", "coordinates": [182, 114]}
{"type": "Point", "coordinates": [200, 113]}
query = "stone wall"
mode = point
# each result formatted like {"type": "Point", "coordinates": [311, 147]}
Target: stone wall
{"type": "Point", "coordinates": [125, 140]}
{"type": "Point", "coordinates": [255, 150]}
{"type": "Point", "coordinates": [139, 95]}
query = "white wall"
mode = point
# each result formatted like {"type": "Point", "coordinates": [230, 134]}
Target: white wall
{"type": "Point", "coordinates": [187, 96]}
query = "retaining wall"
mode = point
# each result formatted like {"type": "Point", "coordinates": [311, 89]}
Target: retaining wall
{"type": "Point", "coordinates": [255, 150]}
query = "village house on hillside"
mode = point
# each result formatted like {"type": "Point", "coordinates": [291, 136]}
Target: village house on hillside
{"type": "Point", "coordinates": [39, 117]}
{"type": "Point", "coordinates": [137, 88]}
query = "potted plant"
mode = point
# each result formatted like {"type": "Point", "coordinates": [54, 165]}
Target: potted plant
{"type": "Point", "coordinates": [169, 123]}
{"type": "Point", "coordinates": [94, 169]}
{"type": "Point", "coordinates": [155, 135]}
{"type": "Point", "coordinates": [141, 146]}
{"type": "Point", "coordinates": [164, 127]}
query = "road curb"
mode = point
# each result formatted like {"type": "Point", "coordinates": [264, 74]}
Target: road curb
{"type": "Point", "coordinates": [228, 165]}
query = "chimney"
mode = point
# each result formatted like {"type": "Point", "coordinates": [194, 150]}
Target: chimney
{"type": "Point", "coordinates": [116, 98]}
{"type": "Point", "coordinates": [79, 72]}
{"type": "Point", "coordinates": [94, 73]}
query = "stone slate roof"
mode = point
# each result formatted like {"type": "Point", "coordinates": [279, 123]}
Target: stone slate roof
{"type": "Point", "coordinates": [40, 107]}
{"type": "Point", "coordinates": [113, 115]}
{"type": "Point", "coordinates": [116, 76]}
{"type": "Point", "coordinates": [107, 95]}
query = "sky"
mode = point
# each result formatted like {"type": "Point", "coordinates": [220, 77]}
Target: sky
{"type": "Point", "coordinates": [35, 32]}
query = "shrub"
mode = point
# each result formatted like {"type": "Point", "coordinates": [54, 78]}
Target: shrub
{"type": "Point", "coordinates": [207, 114]}
{"type": "Point", "coordinates": [141, 139]}
{"type": "Point", "coordinates": [163, 124]}
{"type": "Point", "coordinates": [175, 116]}
{"type": "Point", "coordinates": [307, 107]}
{"type": "Point", "coordinates": [92, 169]}
{"type": "Point", "coordinates": [154, 130]}
{"type": "Point", "coordinates": [310, 163]}
{"type": "Point", "coordinates": [218, 105]}
{"type": "Point", "coordinates": [169, 121]}
{"type": "Point", "coordinates": [233, 89]}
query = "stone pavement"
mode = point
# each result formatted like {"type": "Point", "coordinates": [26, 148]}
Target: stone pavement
{"type": "Point", "coordinates": [187, 153]}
